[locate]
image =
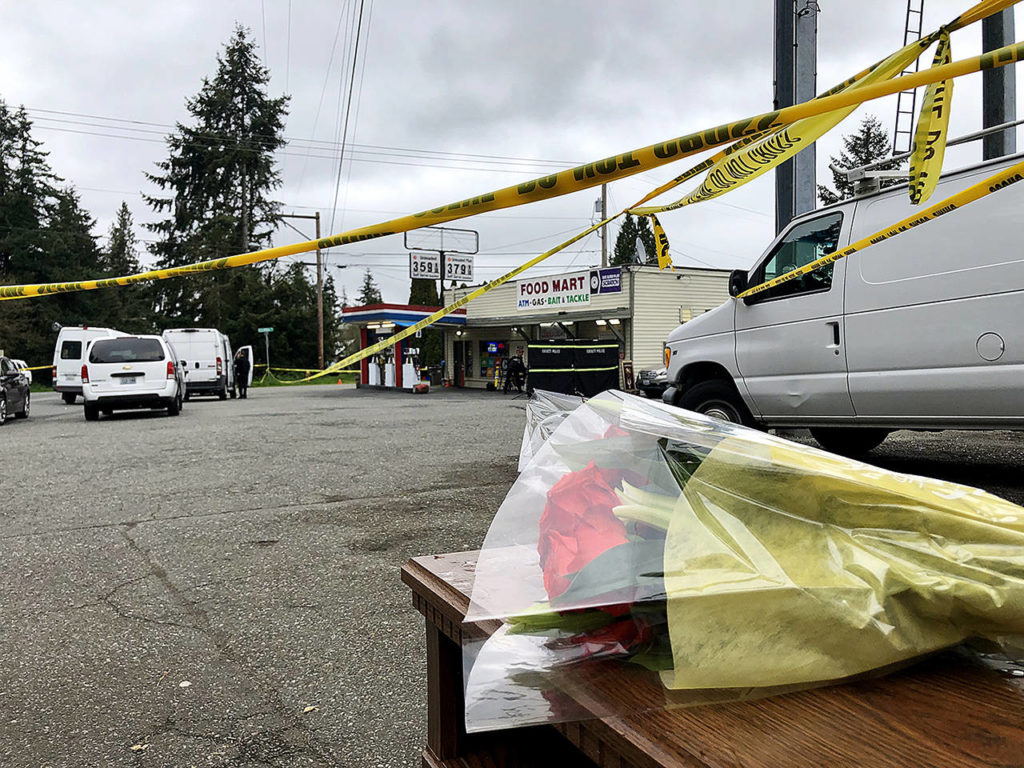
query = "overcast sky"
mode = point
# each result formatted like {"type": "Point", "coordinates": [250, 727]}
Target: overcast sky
{"type": "Point", "coordinates": [451, 99]}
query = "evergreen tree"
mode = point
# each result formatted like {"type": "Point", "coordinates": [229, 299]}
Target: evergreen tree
{"type": "Point", "coordinates": [218, 179]}
{"type": "Point", "coordinates": [128, 307]}
{"type": "Point", "coordinates": [626, 250]}
{"type": "Point", "coordinates": [45, 236]}
{"type": "Point", "coordinates": [369, 293]}
{"type": "Point", "coordinates": [868, 144]}
{"type": "Point", "coordinates": [423, 293]}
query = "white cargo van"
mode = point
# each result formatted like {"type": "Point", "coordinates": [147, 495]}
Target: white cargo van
{"type": "Point", "coordinates": [68, 357]}
{"type": "Point", "coordinates": [205, 354]}
{"type": "Point", "coordinates": [922, 331]}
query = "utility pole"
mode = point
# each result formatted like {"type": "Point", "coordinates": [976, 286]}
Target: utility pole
{"type": "Point", "coordinates": [998, 88]}
{"type": "Point", "coordinates": [805, 83]}
{"type": "Point", "coordinates": [796, 32]}
{"type": "Point", "coordinates": [319, 283]}
{"type": "Point", "coordinates": [601, 211]}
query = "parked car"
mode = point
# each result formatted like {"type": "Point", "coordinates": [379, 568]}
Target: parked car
{"type": "Point", "coordinates": [131, 372]}
{"type": "Point", "coordinates": [23, 367]}
{"type": "Point", "coordinates": [921, 331]}
{"type": "Point", "coordinates": [14, 393]}
{"type": "Point", "coordinates": [206, 356]}
{"type": "Point", "coordinates": [652, 383]}
{"type": "Point", "coordinates": [69, 354]}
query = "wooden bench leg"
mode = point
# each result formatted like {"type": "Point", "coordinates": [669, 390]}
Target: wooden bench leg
{"type": "Point", "coordinates": [446, 728]}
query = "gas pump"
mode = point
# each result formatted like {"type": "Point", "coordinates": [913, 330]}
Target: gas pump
{"type": "Point", "coordinates": [410, 368]}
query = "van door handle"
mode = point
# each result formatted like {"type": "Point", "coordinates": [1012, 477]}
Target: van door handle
{"type": "Point", "coordinates": [834, 325]}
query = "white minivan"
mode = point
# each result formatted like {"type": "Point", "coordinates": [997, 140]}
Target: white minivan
{"type": "Point", "coordinates": [922, 331]}
{"type": "Point", "coordinates": [205, 354]}
{"type": "Point", "coordinates": [131, 372]}
{"type": "Point", "coordinates": [68, 355]}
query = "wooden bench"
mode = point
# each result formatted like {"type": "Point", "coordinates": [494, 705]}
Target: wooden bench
{"type": "Point", "coordinates": [945, 711]}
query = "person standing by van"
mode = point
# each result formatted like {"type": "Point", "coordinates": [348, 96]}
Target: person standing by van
{"type": "Point", "coordinates": [242, 367]}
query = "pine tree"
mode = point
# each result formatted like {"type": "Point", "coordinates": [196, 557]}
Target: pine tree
{"type": "Point", "coordinates": [45, 237]}
{"type": "Point", "coordinates": [423, 293]}
{"type": "Point", "coordinates": [626, 250]}
{"type": "Point", "coordinates": [868, 144]}
{"type": "Point", "coordinates": [369, 293]}
{"type": "Point", "coordinates": [219, 176]}
{"type": "Point", "coordinates": [128, 306]}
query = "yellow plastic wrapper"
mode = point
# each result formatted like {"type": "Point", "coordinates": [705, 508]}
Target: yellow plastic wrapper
{"type": "Point", "coordinates": [787, 565]}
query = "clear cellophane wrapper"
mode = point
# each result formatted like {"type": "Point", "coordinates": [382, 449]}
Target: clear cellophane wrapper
{"type": "Point", "coordinates": [684, 560]}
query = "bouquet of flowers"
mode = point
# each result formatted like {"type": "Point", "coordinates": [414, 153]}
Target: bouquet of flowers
{"type": "Point", "coordinates": [713, 559]}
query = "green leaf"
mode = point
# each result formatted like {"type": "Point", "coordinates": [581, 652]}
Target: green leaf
{"type": "Point", "coordinates": [619, 574]}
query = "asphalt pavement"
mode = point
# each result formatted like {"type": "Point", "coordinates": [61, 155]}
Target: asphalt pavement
{"type": "Point", "coordinates": [222, 588]}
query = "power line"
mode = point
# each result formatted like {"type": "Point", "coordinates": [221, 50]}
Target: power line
{"type": "Point", "coordinates": [348, 111]}
{"type": "Point", "coordinates": [298, 143]}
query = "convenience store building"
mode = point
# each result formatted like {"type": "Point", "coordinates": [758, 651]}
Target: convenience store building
{"type": "Point", "coordinates": [634, 307]}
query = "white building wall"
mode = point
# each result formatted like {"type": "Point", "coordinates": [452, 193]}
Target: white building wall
{"type": "Point", "coordinates": [665, 299]}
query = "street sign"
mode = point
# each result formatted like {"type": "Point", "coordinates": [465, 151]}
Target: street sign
{"type": "Point", "coordinates": [457, 267]}
{"type": "Point", "coordinates": [425, 266]}
{"type": "Point", "coordinates": [265, 330]}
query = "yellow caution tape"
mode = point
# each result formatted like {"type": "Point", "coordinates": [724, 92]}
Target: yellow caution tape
{"type": "Point", "coordinates": [564, 182]}
{"type": "Point", "coordinates": [736, 168]}
{"type": "Point", "coordinates": [994, 183]}
{"type": "Point", "coordinates": [761, 157]}
{"type": "Point", "coordinates": [661, 244]}
{"type": "Point", "coordinates": [930, 134]}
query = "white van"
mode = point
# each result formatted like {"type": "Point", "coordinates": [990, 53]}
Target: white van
{"type": "Point", "coordinates": [131, 372]}
{"type": "Point", "coordinates": [68, 357]}
{"type": "Point", "coordinates": [206, 356]}
{"type": "Point", "coordinates": [922, 331]}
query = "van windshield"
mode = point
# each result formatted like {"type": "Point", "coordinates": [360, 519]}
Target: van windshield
{"type": "Point", "coordinates": [126, 351]}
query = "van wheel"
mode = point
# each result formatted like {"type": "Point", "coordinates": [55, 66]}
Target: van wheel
{"type": "Point", "coordinates": [234, 393]}
{"type": "Point", "coordinates": [718, 399]}
{"type": "Point", "coordinates": [223, 394]}
{"type": "Point", "coordinates": [849, 441]}
{"type": "Point", "coordinates": [92, 412]}
{"type": "Point", "coordinates": [23, 413]}
{"type": "Point", "coordinates": [68, 397]}
{"type": "Point", "coordinates": [175, 407]}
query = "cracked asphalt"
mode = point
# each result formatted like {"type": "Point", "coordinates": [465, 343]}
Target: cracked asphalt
{"type": "Point", "coordinates": [222, 588]}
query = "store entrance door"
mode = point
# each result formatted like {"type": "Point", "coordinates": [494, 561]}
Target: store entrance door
{"type": "Point", "coordinates": [459, 366]}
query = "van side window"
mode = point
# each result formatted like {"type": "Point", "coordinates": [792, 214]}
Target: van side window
{"type": "Point", "coordinates": [803, 244]}
{"type": "Point", "coordinates": [71, 350]}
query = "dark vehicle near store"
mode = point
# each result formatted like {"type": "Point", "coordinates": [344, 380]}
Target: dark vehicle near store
{"type": "Point", "coordinates": [14, 394]}
{"type": "Point", "coordinates": [652, 383]}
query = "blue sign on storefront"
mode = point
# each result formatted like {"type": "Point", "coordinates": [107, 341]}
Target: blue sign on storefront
{"type": "Point", "coordinates": [606, 280]}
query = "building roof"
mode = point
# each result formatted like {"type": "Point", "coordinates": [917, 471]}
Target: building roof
{"type": "Point", "coordinates": [400, 314]}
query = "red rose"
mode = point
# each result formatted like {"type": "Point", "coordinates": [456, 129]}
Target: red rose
{"type": "Point", "coordinates": [578, 525]}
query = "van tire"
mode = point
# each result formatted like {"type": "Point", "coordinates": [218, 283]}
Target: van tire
{"type": "Point", "coordinates": [234, 393]}
{"type": "Point", "coordinates": [223, 394]}
{"type": "Point", "coordinates": [175, 405]}
{"type": "Point", "coordinates": [849, 441]}
{"type": "Point", "coordinates": [719, 399]}
{"type": "Point", "coordinates": [68, 397]}
{"type": "Point", "coordinates": [92, 412]}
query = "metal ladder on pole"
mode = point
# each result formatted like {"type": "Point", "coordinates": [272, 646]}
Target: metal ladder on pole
{"type": "Point", "coordinates": [906, 102]}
